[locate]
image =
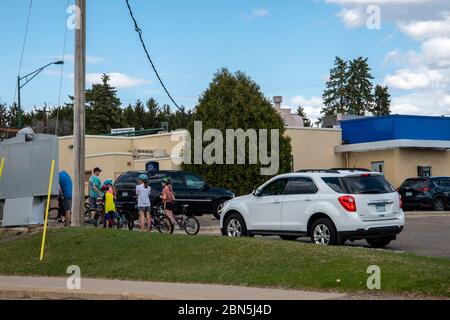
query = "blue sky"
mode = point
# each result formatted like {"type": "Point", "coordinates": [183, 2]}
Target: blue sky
{"type": "Point", "coordinates": [286, 46]}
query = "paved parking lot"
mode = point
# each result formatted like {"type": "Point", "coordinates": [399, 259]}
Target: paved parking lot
{"type": "Point", "coordinates": [425, 234]}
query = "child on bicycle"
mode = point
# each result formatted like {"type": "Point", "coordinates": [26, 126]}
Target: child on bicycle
{"type": "Point", "coordinates": [168, 199]}
{"type": "Point", "coordinates": [143, 192]}
{"type": "Point", "coordinates": [109, 199]}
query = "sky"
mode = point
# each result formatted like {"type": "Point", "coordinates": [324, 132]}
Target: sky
{"type": "Point", "coordinates": [287, 47]}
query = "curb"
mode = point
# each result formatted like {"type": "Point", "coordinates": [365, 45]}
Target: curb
{"type": "Point", "coordinates": [47, 294]}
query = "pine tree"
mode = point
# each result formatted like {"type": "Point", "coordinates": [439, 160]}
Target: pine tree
{"type": "Point", "coordinates": [104, 112]}
{"type": "Point", "coordinates": [335, 94]}
{"type": "Point", "coordinates": [382, 101]}
{"type": "Point", "coordinates": [152, 114]}
{"type": "Point", "coordinates": [359, 87]}
{"type": "Point", "coordinates": [234, 101]}
{"type": "Point", "coordinates": [11, 115]}
{"type": "Point", "coordinates": [3, 115]}
{"type": "Point", "coordinates": [301, 112]}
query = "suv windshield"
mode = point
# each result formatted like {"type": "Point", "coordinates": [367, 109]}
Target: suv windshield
{"type": "Point", "coordinates": [365, 184]}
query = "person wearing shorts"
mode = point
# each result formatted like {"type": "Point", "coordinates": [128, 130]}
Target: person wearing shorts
{"type": "Point", "coordinates": [168, 198]}
{"type": "Point", "coordinates": [65, 187]}
{"type": "Point", "coordinates": [95, 186]}
{"type": "Point", "coordinates": [143, 192]}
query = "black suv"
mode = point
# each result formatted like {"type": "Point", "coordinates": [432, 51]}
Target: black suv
{"type": "Point", "coordinates": [424, 193]}
{"type": "Point", "coordinates": [189, 190]}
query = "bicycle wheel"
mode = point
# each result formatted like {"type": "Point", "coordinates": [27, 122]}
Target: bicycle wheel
{"type": "Point", "coordinates": [165, 225]}
{"type": "Point", "coordinates": [53, 214]}
{"type": "Point", "coordinates": [191, 226]}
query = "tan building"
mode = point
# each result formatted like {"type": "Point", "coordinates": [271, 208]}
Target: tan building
{"type": "Point", "coordinates": [115, 155]}
{"type": "Point", "coordinates": [312, 148]}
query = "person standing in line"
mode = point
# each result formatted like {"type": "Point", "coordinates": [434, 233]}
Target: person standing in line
{"type": "Point", "coordinates": [168, 199]}
{"type": "Point", "coordinates": [143, 192]}
{"type": "Point", "coordinates": [65, 189]}
{"type": "Point", "coordinates": [95, 186]}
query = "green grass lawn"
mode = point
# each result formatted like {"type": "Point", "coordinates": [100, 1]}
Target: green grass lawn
{"type": "Point", "coordinates": [250, 262]}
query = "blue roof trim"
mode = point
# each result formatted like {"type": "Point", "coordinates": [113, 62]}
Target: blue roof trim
{"type": "Point", "coordinates": [394, 127]}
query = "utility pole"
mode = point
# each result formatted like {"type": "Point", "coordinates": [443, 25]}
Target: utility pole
{"type": "Point", "coordinates": [45, 113]}
{"type": "Point", "coordinates": [79, 116]}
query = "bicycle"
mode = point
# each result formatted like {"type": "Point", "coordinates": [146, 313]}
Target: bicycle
{"type": "Point", "coordinates": [160, 222]}
{"type": "Point", "coordinates": [187, 223]}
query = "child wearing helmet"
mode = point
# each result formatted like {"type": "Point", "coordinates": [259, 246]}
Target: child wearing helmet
{"type": "Point", "coordinates": [109, 195]}
{"type": "Point", "coordinates": [143, 192]}
{"type": "Point", "coordinates": [168, 198]}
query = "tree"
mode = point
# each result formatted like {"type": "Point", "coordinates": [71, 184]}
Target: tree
{"type": "Point", "coordinates": [335, 94]}
{"type": "Point", "coordinates": [103, 112]}
{"type": "Point", "coordinates": [11, 115]}
{"type": "Point", "coordinates": [3, 115]}
{"type": "Point", "coordinates": [382, 101]}
{"type": "Point", "coordinates": [359, 87]}
{"type": "Point", "coordinates": [234, 101]}
{"type": "Point", "coordinates": [301, 113]}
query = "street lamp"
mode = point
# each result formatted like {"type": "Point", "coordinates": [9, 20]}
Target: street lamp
{"type": "Point", "coordinates": [27, 79]}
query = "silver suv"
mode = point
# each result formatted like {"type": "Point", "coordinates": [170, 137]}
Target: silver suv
{"type": "Point", "coordinates": [329, 206]}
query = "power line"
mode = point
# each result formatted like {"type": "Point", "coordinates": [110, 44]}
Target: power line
{"type": "Point", "coordinates": [23, 46]}
{"type": "Point", "coordinates": [62, 72]}
{"type": "Point", "coordinates": [139, 31]}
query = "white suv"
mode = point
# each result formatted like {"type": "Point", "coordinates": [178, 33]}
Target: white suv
{"type": "Point", "coordinates": [330, 206]}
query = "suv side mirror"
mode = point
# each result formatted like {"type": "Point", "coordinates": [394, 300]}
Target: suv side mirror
{"type": "Point", "coordinates": [256, 193]}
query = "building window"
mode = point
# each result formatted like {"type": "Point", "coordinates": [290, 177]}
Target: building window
{"type": "Point", "coordinates": [378, 166]}
{"type": "Point", "coordinates": [424, 171]}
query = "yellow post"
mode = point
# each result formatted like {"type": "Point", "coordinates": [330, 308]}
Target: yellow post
{"type": "Point", "coordinates": [1, 166]}
{"type": "Point", "coordinates": [47, 209]}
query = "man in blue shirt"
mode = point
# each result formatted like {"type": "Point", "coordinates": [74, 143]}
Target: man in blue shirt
{"type": "Point", "coordinates": [65, 189]}
{"type": "Point", "coordinates": [95, 186]}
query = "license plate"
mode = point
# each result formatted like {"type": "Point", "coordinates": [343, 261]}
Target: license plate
{"type": "Point", "coordinates": [409, 194]}
{"type": "Point", "coordinates": [381, 207]}
{"type": "Point", "coordinates": [125, 194]}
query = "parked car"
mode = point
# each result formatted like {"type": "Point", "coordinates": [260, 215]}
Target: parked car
{"type": "Point", "coordinates": [329, 206]}
{"type": "Point", "coordinates": [426, 193]}
{"type": "Point", "coordinates": [189, 189]}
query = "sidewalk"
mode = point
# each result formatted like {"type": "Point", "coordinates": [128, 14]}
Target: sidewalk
{"type": "Point", "coordinates": [55, 288]}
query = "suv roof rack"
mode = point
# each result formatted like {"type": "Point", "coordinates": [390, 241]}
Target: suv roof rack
{"type": "Point", "coordinates": [352, 169]}
{"type": "Point", "coordinates": [318, 171]}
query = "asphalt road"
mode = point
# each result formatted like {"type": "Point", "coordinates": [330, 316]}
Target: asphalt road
{"type": "Point", "coordinates": [424, 234]}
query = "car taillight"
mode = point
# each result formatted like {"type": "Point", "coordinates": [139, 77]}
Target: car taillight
{"type": "Point", "coordinates": [425, 189]}
{"type": "Point", "coordinates": [401, 201]}
{"type": "Point", "coordinates": [348, 203]}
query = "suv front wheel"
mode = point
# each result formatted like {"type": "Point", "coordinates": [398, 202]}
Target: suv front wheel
{"type": "Point", "coordinates": [235, 226]}
{"type": "Point", "coordinates": [323, 232]}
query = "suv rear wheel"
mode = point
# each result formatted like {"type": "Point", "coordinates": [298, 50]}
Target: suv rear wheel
{"type": "Point", "coordinates": [379, 242]}
{"type": "Point", "coordinates": [439, 204]}
{"type": "Point", "coordinates": [323, 232]}
{"type": "Point", "coordinates": [235, 226]}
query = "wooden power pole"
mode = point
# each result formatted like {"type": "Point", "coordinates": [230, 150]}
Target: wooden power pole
{"type": "Point", "coordinates": [79, 116]}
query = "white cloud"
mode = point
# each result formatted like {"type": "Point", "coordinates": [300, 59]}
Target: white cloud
{"type": "Point", "coordinates": [255, 13]}
{"type": "Point", "coordinates": [408, 80]}
{"type": "Point", "coordinates": [352, 17]}
{"type": "Point", "coordinates": [312, 106]}
{"type": "Point", "coordinates": [118, 80]}
{"type": "Point", "coordinates": [433, 103]}
{"type": "Point", "coordinates": [420, 30]}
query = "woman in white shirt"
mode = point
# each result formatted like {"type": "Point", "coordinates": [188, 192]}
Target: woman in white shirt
{"type": "Point", "coordinates": [143, 192]}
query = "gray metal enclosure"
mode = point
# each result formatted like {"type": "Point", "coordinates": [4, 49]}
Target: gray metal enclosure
{"type": "Point", "coordinates": [26, 175]}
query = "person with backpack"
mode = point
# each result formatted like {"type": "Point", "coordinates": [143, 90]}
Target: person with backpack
{"type": "Point", "coordinates": [143, 192]}
{"type": "Point", "coordinates": [168, 199]}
